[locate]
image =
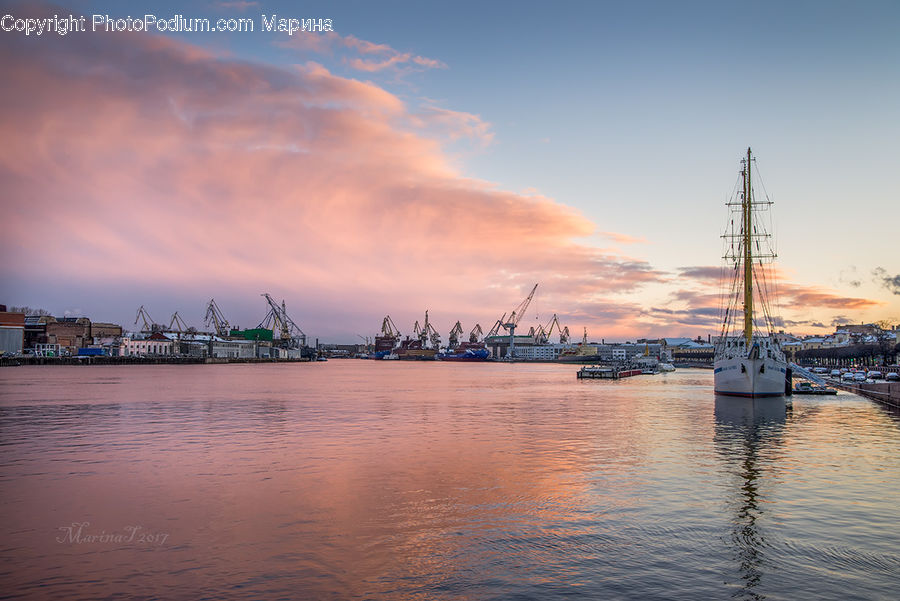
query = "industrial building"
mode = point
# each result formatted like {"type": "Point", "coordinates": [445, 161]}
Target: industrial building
{"type": "Point", "coordinates": [12, 331]}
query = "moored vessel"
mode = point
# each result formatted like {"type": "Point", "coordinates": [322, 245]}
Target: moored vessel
{"type": "Point", "coordinates": [749, 361]}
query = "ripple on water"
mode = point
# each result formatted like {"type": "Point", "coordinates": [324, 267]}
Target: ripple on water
{"type": "Point", "coordinates": [356, 479]}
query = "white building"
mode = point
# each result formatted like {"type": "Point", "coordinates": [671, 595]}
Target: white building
{"type": "Point", "coordinates": [136, 345]}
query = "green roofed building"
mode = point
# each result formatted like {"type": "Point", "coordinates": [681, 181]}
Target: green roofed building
{"type": "Point", "coordinates": [253, 334]}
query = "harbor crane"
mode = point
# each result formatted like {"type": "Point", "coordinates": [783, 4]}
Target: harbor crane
{"type": "Point", "coordinates": [368, 344]}
{"type": "Point", "coordinates": [148, 325]}
{"type": "Point", "coordinates": [389, 329]}
{"type": "Point", "coordinates": [455, 333]}
{"type": "Point", "coordinates": [513, 320]}
{"type": "Point", "coordinates": [279, 321]}
{"type": "Point", "coordinates": [476, 333]}
{"type": "Point", "coordinates": [177, 324]}
{"type": "Point", "coordinates": [563, 331]}
{"type": "Point", "coordinates": [427, 334]}
{"type": "Point", "coordinates": [215, 318]}
{"type": "Point", "coordinates": [495, 329]}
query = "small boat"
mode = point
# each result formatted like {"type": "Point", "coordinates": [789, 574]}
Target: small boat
{"type": "Point", "coordinates": [810, 388]}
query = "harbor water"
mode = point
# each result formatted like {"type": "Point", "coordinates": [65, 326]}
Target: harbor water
{"type": "Point", "coordinates": [424, 480]}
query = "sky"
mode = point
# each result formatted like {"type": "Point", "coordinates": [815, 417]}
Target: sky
{"type": "Point", "coordinates": [448, 157]}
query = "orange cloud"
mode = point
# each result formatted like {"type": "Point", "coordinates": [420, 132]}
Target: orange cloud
{"type": "Point", "coordinates": [697, 302]}
{"type": "Point", "coordinates": [147, 164]}
{"type": "Point", "coordinates": [622, 238]}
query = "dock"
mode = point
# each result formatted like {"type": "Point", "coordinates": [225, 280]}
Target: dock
{"type": "Point", "coordinates": [606, 373]}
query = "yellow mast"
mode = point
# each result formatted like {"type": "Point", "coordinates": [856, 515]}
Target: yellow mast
{"type": "Point", "coordinates": [748, 254]}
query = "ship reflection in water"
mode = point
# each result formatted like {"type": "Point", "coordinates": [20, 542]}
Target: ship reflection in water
{"type": "Point", "coordinates": [745, 429]}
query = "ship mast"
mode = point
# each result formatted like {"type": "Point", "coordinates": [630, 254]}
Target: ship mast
{"type": "Point", "coordinates": [748, 254]}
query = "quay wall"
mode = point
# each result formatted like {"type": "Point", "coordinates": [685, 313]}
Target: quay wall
{"type": "Point", "coordinates": [883, 392]}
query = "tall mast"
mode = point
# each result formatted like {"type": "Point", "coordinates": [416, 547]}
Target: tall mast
{"type": "Point", "coordinates": [747, 208]}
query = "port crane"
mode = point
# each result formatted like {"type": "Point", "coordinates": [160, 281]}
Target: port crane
{"type": "Point", "coordinates": [427, 333]}
{"type": "Point", "coordinates": [389, 329]}
{"type": "Point", "coordinates": [455, 333]}
{"type": "Point", "coordinates": [495, 329]}
{"type": "Point", "coordinates": [177, 324]}
{"type": "Point", "coordinates": [476, 333]}
{"type": "Point", "coordinates": [215, 318]}
{"type": "Point", "coordinates": [148, 325]}
{"type": "Point", "coordinates": [366, 339]}
{"type": "Point", "coordinates": [278, 320]}
{"type": "Point", "coordinates": [513, 320]}
{"type": "Point", "coordinates": [563, 331]}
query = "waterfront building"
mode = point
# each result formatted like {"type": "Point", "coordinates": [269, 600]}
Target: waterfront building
{"type": "Point", "coordinates": [155, 344]}
{"type": "Point", "coordinates": [540, 352]}
{"type": "Point", "coordinates": [12, 332]}
{"type": "Point", "coordinates": [70, 333]}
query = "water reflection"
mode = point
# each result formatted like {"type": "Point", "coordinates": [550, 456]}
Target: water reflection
{"type": "Point", "coordinates": [747, 433]}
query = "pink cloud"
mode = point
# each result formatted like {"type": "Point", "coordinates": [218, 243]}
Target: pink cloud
{"type": "Point", "coordinates": [696, 303]}
{"type": "Point", "coordinates": [150, 164]}
{"type": "Point", "coordinates": [622, 238]}
{"type": "Point", "coordinates": [457, 124]}
{"type": "Point", "coordinates": [370, 57]}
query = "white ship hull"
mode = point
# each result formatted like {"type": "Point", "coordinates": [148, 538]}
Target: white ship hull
{"type": "Point", "coordinates": [745, 377]}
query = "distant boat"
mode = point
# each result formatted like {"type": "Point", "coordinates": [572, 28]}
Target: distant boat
{"type": "Point", "coordinates": [749, 361]}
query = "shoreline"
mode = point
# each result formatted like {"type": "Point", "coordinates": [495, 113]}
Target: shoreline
{"type": "Point", "coordinates": [103, 360]}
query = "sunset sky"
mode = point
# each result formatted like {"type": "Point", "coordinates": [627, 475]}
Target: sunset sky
{"type": "Point", "coordinates": [447, 156]}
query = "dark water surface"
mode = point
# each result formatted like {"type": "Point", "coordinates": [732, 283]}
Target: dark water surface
{"type": "Point", "coordinates": [391, 480]}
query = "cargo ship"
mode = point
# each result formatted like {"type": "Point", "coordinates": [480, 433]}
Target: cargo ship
{"type": "Point", "coordinates": [414, 350]}
{"type": "Point", "coordinates": [466, 351]}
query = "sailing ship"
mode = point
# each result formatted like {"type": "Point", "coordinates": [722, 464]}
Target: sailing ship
{"type": "Point", "coordinates": [749, 361]}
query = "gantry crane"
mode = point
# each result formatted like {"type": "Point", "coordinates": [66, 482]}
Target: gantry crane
{"type": "Point", "coordinates": [278, 320]}
{"type": "Point", "coordinates": [215, 318]}
{"type": "Point", "coordinates": [476, 333]}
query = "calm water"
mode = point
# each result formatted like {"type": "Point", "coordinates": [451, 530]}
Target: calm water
{"type": "Point", "coordinates": [364, 480]}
